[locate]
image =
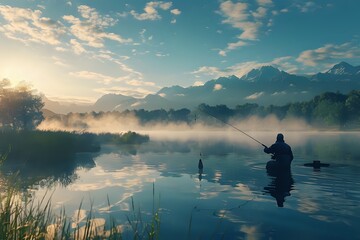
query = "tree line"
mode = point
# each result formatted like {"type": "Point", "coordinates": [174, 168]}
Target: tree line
{"type": "Point", "coordinates": [328, 109]}
{"type": "Point", "coordinates": [325, 110]}
{"type": "Point", "coordinates": [21, 108]}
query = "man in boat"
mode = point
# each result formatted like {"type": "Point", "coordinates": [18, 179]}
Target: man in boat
{"type": "Point", "coordinates": [282, 154]}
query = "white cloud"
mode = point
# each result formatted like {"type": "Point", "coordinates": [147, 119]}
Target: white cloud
{"type": "Point", "coordinates": [217, 87]}
{"type": "Point", "coordinates": [240, 16]}
{"type": "Point", "coordinates": [237, 15]}
{"type": "Point", "coordinates": [222, 53]}
{"type": "Point", "coordinates": [165, 5]}
{"type": "Point", "coordinates": [175, 11]}
{"type": "Point", "coordinates": [151, 11]}
{"type": "Point", "coordinates": [329, 53]}
{"type": "Point", "coordinates": [254, 96]}
{"type": "Point", "coordinates": [91, 29]}
{"type": "Point", "coordinates": [26, 25]}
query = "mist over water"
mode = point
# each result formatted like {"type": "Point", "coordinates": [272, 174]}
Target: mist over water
{"type": "Point", "coordinates": [118, 124]}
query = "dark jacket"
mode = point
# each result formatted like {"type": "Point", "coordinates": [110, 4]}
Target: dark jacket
{"type": "Point", "coordinates": [282, 152]}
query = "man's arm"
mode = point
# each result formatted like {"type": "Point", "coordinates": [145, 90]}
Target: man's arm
{"type": "Point", "coordinates": [268, 150]}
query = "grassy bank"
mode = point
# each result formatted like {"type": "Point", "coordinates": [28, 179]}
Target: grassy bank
{"type": "Point", "coordinates": [39, 147]}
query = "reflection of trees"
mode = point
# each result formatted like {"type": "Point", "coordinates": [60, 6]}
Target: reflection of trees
{"type": "Point", "coordinates": [29, 175]}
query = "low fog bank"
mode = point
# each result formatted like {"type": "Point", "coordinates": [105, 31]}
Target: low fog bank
{"type": "Point", "coordinates": [204, 134]}
{"type": "Point", "coordinates": [110, 123]}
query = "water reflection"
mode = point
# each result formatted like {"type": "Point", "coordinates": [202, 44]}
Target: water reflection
{"type": "Point", "coordinates": [200, 167]}
{"type": "Point", "coordinates": [280, 186]}
{"type": "Point", "coordinates": [231, 194]}
{"type": "Point", "coordinates": [34, 176]}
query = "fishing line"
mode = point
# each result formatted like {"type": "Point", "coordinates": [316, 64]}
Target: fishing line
{"type": "Point", "coordinates": [233, 127]}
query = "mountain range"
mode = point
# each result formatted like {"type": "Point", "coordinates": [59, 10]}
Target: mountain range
{"type": "Point", "coordinates": [264, 86]}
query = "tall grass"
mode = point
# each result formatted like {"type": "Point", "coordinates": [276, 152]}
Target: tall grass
{"type": "Point", "coordinates": [141, 229]}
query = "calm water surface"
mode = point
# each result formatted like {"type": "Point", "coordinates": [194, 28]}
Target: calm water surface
{"type": "Point", "coordinates": [233, 198]}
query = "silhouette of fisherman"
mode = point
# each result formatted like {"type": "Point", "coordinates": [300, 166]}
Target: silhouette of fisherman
{"type": "Point", "coordinates": [282, 155]}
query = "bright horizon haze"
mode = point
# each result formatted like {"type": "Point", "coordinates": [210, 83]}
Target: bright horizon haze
{"type": "Point", "coordinates": [77, 51]}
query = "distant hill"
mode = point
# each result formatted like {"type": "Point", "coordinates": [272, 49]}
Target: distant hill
{"type": "Point", "coordinates": [266, 85]}
{"type": "Point", "coordinates": [110, 102]}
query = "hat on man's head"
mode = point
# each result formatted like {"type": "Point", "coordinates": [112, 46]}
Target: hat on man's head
{"type": "Point", "coordinates": [280, 137]}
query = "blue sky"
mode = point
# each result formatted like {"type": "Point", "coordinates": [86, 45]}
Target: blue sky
{"type": "Point", "coordinates": [78, 50]}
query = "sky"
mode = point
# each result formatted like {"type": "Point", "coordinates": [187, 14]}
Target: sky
{"type": "Point", "coordinates": [78, 50]}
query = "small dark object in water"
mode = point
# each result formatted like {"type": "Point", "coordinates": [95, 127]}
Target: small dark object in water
{"type": "Point", "coordinates": [200, 165]}
{"type": "Point", "coordinates": [316, 164]}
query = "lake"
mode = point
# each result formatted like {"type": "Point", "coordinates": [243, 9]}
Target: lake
{"type": "Point", "coordinates": [232, 198]}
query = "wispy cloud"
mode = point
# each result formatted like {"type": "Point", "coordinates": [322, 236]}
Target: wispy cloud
{"type": "Point", "coordinates": [101, 78]}
{"type": "Point", "coordinates": [329, 53]}
{"type": "Point", "coordinates": [254, 96]}
{"type": "Point", "coordinates": [28, 25]}
{"type": "Point", "coordinates": [240, 16]}
{"type": "Point", "coordinates": [310, 6]}
{"type": "Point", "coordinates": [77, 47]}
{"type": "Point", "coordinates": [91, 29]}
{"type": "Point", "coordinates": [140, 83]}
{"type": "Point", "coordinates": [151, 11]}
{"type": "Point", "coordinates": [59, 62]}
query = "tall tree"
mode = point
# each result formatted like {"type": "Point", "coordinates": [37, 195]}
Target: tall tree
{"type": "Point", "coordinates": [20, 108]}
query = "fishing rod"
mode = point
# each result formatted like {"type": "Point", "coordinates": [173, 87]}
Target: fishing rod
{"type": "Point", "coordinates": [233, 127]}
